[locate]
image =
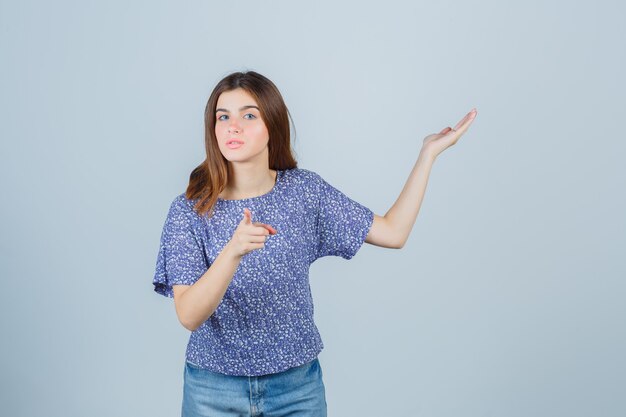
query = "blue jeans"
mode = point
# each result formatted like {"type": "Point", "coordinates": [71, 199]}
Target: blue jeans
{"type": "Point", "coordinates": [298, 391]}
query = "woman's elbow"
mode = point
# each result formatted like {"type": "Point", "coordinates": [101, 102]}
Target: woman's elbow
{"type": "Point", "coordinates": [186, 323]}
{"type": "Point", "coordinates": [189, 326]}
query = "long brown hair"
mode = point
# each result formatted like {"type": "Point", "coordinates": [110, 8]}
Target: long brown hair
{"type": "Point", "coordinates": [209, 178]}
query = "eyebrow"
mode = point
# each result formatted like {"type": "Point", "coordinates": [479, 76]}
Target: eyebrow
{"type": "Point", "coordinates": [240, 109]}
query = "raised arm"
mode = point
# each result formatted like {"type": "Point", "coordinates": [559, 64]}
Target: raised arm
{"type": "Point", "coordinates": [393, 229]}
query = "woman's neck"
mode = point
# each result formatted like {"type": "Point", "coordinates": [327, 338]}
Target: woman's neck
{"type": "Point", "coordinates": [248, 181]}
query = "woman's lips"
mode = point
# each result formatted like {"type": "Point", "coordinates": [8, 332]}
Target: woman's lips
{"type": "Point", "coordinates": [234, 143]}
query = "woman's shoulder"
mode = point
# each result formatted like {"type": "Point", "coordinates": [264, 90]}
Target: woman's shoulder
{"type": "Point", "coordinates": [181, 206]}
{"type": "Point", "coordinates": [181, 201]}
{"type": "Point", "coordinates": [303, 175]}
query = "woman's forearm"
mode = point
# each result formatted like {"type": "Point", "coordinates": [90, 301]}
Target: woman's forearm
{"type": "Point", "coordinates": [202, 298]}
{"type": "Point", "coordinates": [401, 216]}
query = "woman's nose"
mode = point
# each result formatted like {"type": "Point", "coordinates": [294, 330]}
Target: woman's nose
{"type": "Point", "coordinates": [234, 128]}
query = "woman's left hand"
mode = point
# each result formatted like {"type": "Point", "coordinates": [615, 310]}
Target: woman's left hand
{"type": "Point", "coordinates": [438, 142]}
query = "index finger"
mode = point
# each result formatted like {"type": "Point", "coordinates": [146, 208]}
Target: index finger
{"type": "Point", "coordinates": [466, 120]}
{"type": "Point", "coordinates": [267, 227]}
{"type": "Point", "coordinates": [270, 228]}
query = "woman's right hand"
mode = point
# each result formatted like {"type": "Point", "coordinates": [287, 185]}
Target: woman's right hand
{"type": "Point", "coordinates": [249, 236]}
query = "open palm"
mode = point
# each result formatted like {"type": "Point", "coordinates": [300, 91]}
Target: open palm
{"type": "Point", "coordinates": [438, 142]}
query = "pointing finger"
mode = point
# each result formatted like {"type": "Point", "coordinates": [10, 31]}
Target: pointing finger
{"type": "Point", "coordinates": [271, 229]}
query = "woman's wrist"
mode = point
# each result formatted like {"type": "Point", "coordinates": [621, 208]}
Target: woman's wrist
{"type": "Point", "coordinates": [427, 155]}
{"type": "Point", "coordinates": [230, 252]}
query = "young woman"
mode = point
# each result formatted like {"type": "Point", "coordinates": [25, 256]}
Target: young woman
{"type": "Point", "coordinates": [236, 248]}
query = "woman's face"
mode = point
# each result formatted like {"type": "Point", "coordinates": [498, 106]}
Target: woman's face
{"type": "Point", "coordinates": [237, 118]}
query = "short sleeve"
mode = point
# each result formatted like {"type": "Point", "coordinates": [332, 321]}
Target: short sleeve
{"type": "Point", "coordinates": [342, 224]}
{"type": "Point", "coordinates": [181, 258]}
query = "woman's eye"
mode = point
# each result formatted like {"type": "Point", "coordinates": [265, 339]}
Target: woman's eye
{"type": "Point", "coordinates": [225, 116]}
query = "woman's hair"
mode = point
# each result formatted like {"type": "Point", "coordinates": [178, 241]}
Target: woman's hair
{"type": "Point", "coordinates": [209, 178]}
